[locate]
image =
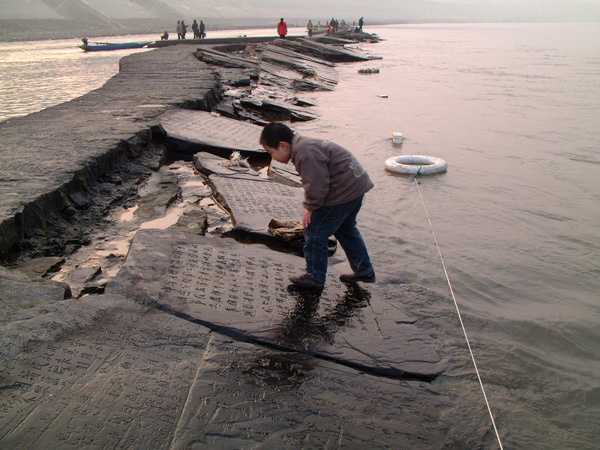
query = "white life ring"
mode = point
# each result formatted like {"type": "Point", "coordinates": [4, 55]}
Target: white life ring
{"type": "Point", "coordinates": [416, 164]}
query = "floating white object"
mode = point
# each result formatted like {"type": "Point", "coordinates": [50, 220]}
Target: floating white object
{"type": "Point", "coordinates": [397, 138]}
{"type": "Point", "coordinates": [382, 96]}
{"type": "Point", "coordinates": [416, 164]}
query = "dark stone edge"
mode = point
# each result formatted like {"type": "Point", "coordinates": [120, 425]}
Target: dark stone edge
{"type": "Point", "coordinates": [41, 213]}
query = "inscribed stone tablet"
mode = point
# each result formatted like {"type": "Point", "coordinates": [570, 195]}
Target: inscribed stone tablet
{"type": "Point", "coordinates": [99, 372]}
{"type": "Point", "coordinates": [208, 164]}
{"type": "Point", "coordinates": [212, 130]}
{"type": "Point", "coordinates": [243, 291]}
{"type": "Point", "coordinates": [254, 203]}
{"type": "Point", "coordinates": [285, 173]}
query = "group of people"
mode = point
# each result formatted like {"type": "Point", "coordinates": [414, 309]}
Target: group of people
{"type": "Point", "coordinates": [198, 29]}
{"type": "Point", "coordinates": [331, 26]}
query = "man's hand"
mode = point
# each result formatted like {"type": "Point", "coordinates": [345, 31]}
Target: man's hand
{"type": "Point", "coordinates": [306, 218]}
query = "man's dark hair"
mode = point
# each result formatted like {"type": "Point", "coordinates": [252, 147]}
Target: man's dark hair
{"type": "Point", "coordinates": [275, 132]}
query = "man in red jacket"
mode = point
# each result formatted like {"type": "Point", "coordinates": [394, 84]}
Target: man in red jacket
{"type": "Point", "coordinates": [282, 29]}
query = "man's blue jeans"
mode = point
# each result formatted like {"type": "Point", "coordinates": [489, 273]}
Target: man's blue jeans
{"type": "Point", "coordinates": [338, 221]}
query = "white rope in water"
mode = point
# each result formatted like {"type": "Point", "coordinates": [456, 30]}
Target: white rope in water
{"type": "Point", "coordinates": [459, 316]}
{"type": "Point", "coordinates": [487, 403]}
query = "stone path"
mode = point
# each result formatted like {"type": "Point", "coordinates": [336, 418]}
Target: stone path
{"type": "Point", "coordinates": [180, 353]}
{"type": "Point", "coordinates": [200, 341]}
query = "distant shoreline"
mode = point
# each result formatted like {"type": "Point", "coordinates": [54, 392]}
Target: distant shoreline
{"type": "Point", "coordinates": [19, 30]}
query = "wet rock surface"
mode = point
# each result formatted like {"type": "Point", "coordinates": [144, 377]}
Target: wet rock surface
{"type": "Point", "coordinates": [215, 282]}
{"type": "Point", "coordinates": [155, 359]}
{"type": "Point", "coordinates": [120, 374]}
{"type": "Point", "coordinates": [129, 313]}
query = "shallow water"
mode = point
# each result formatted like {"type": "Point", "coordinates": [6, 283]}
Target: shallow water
{"type": "Point", "coordinates": [514, 109]}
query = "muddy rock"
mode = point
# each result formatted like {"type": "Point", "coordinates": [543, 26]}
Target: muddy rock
{"type": "Point", "coordinates": [193, 220]}
{"type": "Point", "coordinates": [161, 191]}
{"type": "Point", "coordinates": [40, 267]}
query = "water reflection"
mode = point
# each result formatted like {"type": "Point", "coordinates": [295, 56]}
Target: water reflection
{"type": "Point", "coordinates": [280, 369]}
{"type": "Point", "coordinates": [305, 330]}
{"type": "Point", "coordinates": [40, 74]}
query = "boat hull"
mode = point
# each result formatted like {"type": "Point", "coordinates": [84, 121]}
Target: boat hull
{"type": "Point", "coordinates": [110, 46]}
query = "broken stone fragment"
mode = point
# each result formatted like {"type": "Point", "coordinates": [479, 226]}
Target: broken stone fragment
{"type": "Point", "coordinates": [288, 230]}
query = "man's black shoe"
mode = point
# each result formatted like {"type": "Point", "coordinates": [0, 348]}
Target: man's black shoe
{"type": "Point", "coordinates": [353, 278]}
{"type": "Point", "coordinates": [306, 281]}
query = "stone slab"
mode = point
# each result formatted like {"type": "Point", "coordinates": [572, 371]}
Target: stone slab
{"type": "Point", "coordinates": [322, 74]}
{"type": "Point", "coordinates": [204, 131]}
{"type": "Point", "coordinates": [219, 58]}
{"type": "Point", "coordinates": [253, 203]}
{"type": "Point", "coordinates": [106, 372]}
{"type": "Point", "coordinates": [209, 164]}
{"type": "Point", "coordinates": [252, 206]}
{"type": "Point", "coordinates": [243, 292]}
{"type": "Point", "coordinates": [18, 293]}
{"type": "Point", "coordinates": [277, 110]}
{"type": "Point", "coordinates": [321, 51]}
{"type": "Point", "coordinates": [39, 267]}
{"type": "Point", "coordinates": [284, 173]}
{"type": "Point", "coordinates": [101, 372]}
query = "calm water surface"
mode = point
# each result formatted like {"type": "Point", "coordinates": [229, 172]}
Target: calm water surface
{"type": "Point", "coordinates": [514, 109]}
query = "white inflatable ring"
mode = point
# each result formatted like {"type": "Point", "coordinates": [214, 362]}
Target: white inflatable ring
{"type": "Point", "coordinates": [416, 164]}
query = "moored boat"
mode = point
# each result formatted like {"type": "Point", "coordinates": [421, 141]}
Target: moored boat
{"type": "Point", "coordinates": [103, 46]}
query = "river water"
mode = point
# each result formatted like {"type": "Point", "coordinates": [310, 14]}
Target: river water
{"type": "Point", "coordinates": [511, 231]}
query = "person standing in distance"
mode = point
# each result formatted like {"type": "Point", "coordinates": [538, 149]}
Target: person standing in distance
{"type": "Point", "coordinates": [196, 30]}
{"type": "Point", "coordinates": [183, 29]}
{"type": "Point", "coordinates": [334, 185]}
{"type": "Point", "coordinates": [282, 28]}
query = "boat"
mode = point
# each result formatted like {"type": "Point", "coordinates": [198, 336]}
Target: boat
{"type": "Point", "coordinates": [103, 46]}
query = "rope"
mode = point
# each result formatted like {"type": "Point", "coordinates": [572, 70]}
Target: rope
{"type": "Point", "coordinates": [417, 183]}
{"type": "Point", "coordinates": [459, 316]}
